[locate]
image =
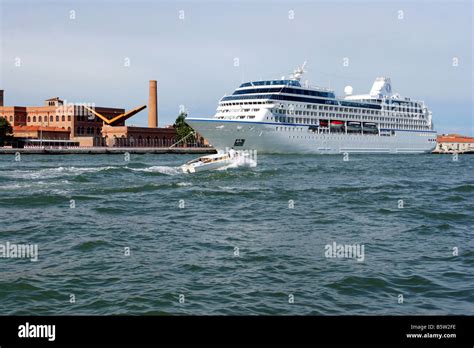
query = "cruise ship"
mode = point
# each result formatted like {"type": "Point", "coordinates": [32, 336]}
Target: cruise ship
{"type": "Point", "coordinates": [288, 116]}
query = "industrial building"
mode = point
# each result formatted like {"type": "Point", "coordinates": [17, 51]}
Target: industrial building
{"type": "Point", "coordinates": [88, 125]}
{"type": "Point", "coordinates": [151, 136]}
{"type": "Point", "coordinates": [56, 121]}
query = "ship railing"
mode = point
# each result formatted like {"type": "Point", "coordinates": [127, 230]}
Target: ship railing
{"type": "Point", "coordinates": [319, 88]}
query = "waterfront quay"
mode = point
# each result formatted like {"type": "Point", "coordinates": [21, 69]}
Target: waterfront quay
{"type": "Point", "coordinates": [107, 150]}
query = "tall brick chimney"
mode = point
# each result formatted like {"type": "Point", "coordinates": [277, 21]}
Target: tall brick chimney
{"type": "Point", "coordinates": [152, 106]}
{"type": "Point", "coordinates": [1, 97]}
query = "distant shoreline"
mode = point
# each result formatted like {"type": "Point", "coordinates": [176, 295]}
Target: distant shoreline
{"type": "Point", "coordinates": [107, 150]}
{"type": "Point", "coordinates": [136, 150]}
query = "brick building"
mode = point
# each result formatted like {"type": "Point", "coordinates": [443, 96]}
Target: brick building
{"type": "Point", "coordinates": [90, 125]}
{"type": "Point", "coordinates": [126, 136]}
{"type": "Point", "coordinates": [56, 116]}
{"type": "Point", "coordinates": [54, 113]}
{"type": "Point", "coordinates": [39, 132]}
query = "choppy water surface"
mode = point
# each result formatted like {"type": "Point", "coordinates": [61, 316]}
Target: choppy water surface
{"type": "Point", "coordinates": [281, 251]}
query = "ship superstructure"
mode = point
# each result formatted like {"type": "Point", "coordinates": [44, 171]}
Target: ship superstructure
{"type": "Point", "coordinates": [286, 116]}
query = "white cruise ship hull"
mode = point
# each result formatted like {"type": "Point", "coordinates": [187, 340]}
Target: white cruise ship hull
{"type": "Point", "coordinates": [268, 137]}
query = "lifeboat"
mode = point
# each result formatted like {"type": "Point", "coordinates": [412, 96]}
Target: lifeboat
{"type": "Point", "coordinates": [337, 124]}
{"type": "Point", "coordinates": [370, 127]}
{"type": "Point", "coordinates": [354, 126]}
{"type": "Point", "coordinates": [323, 123]}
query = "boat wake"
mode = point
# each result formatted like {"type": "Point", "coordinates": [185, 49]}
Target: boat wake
{"type": "Point", "coordinates": [71, 171]}
{"type": "Point", "coordinates": [49, 173]}
{"type": "Point", "coordinates": [159, 169]}
{"type": "Point", "coordinates": [240, 161]}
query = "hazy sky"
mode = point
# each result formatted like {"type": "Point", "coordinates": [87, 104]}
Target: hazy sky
{"type": "Point", "coordinates": [83, 59]}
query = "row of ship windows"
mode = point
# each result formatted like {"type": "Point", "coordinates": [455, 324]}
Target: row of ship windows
{"type": "Point", "coordinates": [323, 131]}
{"type": "Point", "coordinates": [333, 138]}
{"type": "Point", "coordinates": [246, 103]}
{"type": "Point", "coordinates": [391, 103]}
{"type": "Point", "coordinates": [401, 107]}
{"type": "Point", "coordinates": [382, 125]}
{"type": "Point", "coordinates": [243, 117]}
{"type": "Point", "coordinates": [314, 113]}
{"type": "Point", "coordinates": [292, 109]}
{"type": "Point", "coordinates": [400, 123]}
{"type": "Point", "coordinates": [349, 110]}
{"type": "Point", "coordinates": [326, 131]}
{"type": "Point", "coordinates": [286, 90]}
{"type": "Point", "coordinates": [393, 118]}
{"type": "Point", "coordinates": [353, 117]}
{"type": "Point", "coordinates": [237, 110]}
{"type": "Point", "coordinates": [368, 104]}
{"type": "Point", "coordinates": [271, 82]}
{"type": "Point", "coordinates": [322, 137]}
{"type": "Point", "coordinates": [239, 117]}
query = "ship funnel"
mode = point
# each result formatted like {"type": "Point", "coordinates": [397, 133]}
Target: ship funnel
{"type": "Point", "coordinates": [381, 87]}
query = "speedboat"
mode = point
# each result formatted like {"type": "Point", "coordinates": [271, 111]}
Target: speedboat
{"type": "Point", "coordinates": [209, 162]}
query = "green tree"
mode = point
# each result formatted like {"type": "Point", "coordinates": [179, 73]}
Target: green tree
{"type": "Point", "coordinates": [6, 130]}
{"type": "Point", "coordinates": [183, 129]}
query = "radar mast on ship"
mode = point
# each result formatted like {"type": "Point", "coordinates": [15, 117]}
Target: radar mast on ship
{"type": "Point", "coordinates": [298, 72]}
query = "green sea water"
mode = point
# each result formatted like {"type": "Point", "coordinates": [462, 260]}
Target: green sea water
{"type": "Point", "coordinates": [137, 237]}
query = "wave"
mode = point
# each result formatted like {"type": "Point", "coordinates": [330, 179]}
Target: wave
{"type": "Point", "coordinates": [463, 188]}
{"type": "Point", "coordinates": [240, 188]}
{"type": "Point", "coordinates": [32, 185]}
{"type": "Point", "coordinates": [182, 184]}
{"type": "Point", "coordinates": [159, 169]}
{"type": "Point", "coordinates": [454, 198]}
{"type": "Point", "coordinates": [55, 198]}
{"type": "Point", "coordinates": [357, 285]}
{"type": "Point", "coordinates": [78, 172]}
{"type": "Point", "coordinates": [48, 173]}
{"type": "Point", "coordinates": [14, 186]}
{"type": "Point", "coordinates": [445, 215]}
{"type": "Point", "coordinates": [91, 244]}
{"type": "Point", "coordinates": [150, 187]}
{"type": "Point", "coordinates": [346, 189]}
